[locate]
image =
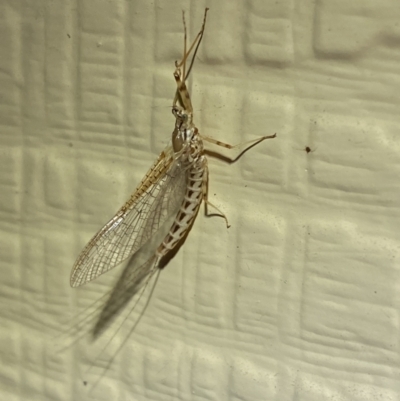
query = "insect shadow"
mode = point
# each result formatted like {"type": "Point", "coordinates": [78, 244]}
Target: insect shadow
{"type": "Point", "coordinates": [132, 281]}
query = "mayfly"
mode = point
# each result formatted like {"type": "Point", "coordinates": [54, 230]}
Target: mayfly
{"type": "Point", "coordinates": [176, 184]}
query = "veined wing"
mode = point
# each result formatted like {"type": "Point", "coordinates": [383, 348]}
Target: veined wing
{"type": "Point", "coordinates": [156, 197]}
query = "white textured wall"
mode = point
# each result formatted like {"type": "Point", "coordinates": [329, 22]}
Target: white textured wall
{"type": "Point", "coordinates": [298, 300]}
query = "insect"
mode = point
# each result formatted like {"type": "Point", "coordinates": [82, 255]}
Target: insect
{"type": "Point", "coordinates": [176, 184]}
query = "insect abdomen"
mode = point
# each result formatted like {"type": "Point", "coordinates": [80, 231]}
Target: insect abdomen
{"type": "Point", "coordinates": [187, 211]}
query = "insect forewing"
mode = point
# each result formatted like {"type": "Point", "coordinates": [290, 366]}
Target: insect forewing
{"type": "Point", "coordinates": [157, 197]}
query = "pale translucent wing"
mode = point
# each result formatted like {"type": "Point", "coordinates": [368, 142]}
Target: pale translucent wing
{"type": "Point", "coordinates": [135, 223]}
{"type": "Point", "coordinates": [144, 265]}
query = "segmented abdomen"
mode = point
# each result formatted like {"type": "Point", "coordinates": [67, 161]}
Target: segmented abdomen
{"type": "Point", "coordinates": [188, 210]}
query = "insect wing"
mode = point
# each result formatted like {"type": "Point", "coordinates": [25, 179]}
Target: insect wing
{"type": "Point", "coordinates": [135, 223]}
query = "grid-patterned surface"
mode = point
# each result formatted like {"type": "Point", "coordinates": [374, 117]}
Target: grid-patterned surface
{"type": "Point", "coordinates": [298, 300]}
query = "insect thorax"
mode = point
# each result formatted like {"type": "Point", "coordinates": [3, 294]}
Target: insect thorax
{"type": "Point", "coordinates": [187, 144]}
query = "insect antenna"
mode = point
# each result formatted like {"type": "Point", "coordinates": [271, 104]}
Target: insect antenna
{"type": "Point", "coordinates": [186, 53]}
{"type": "Point", "coordinates": [198, 39]}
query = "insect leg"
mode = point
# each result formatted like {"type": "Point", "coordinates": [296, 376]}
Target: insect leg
{"type": "Point", "coordinates": [206, 201]}
{"type": "Point", "coordinates": [238, 145]}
